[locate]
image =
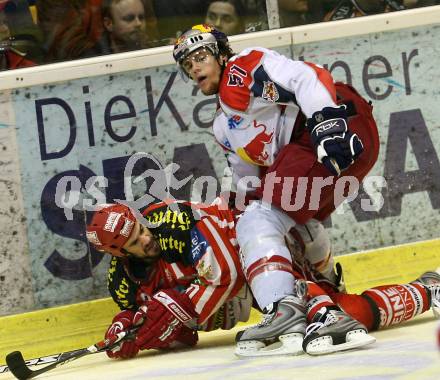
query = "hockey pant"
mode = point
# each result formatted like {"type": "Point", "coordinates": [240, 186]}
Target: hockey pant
{"type": "Point", "coordinates": [298, 160]}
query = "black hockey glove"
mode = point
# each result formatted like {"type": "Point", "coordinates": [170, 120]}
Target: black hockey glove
{"type": "Point", "coordinates": [336, 147]}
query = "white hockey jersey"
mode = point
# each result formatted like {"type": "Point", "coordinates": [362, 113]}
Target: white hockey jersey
{"type": "Point", "coordinates": [261, 95]}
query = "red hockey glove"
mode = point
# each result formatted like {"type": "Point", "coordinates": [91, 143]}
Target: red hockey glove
{"type": "Point", "coordinates": [186, 338]}
{"type": "Point", "coordinates": [163, 318]}
{"type": "Point", "coordinates": [126, 349]}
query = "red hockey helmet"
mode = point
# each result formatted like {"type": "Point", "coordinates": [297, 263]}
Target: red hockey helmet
{"type": "Point", "coordinates": [8, 5]}
{"type": "Point", "coordinates": [110, 228]}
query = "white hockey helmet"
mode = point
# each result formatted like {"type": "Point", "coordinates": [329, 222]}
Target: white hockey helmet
{"type": "Point", "coordinates": [199, 36]}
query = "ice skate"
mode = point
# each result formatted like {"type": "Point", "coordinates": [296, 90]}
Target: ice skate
{"type": "Point", "coordinates": [431, 280]}
{"type": "Point", "coordinates": [281, 331]}
{"type": "Point", "coordinates": [332, 331]}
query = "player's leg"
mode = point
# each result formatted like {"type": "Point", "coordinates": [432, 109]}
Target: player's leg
{"type": "Point", "coordinates": [387, 305]}
{"type": "Point", "coordinates": [399, 303]}
{"type": "Point", "coordinates": [267, 265]}
{"type": "Point", "coordinates": [330, 328]}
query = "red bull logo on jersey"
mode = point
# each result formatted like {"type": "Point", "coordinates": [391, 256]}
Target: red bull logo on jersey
{"type": "Point", "coordinates": [270, 92]}
{"type": "Point", "coordinates": [255, 152]}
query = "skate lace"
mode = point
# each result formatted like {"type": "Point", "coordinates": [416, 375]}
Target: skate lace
{"type": "Point", "coordinates": [329, 320]}
{"type": "Point", "coordinates": [267, 318]}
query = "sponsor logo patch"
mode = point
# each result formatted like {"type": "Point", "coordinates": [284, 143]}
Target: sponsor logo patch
{"type": "Point", "coordinates": [92, 237]}
{"type": "Point", "coordinates": [127, 228]}
{"type": "Point", "coordinates": [112, 221]}
{"type": "Point", "coordinates": [270, 92]}
{"type": "Point", "coordinates": [204, 270]}
{"type": "Point", "coordinates": [234, 121]}
{"type": "Point", "coordinates": [198, 245]}
{"type": "Point", "coordinates": [172, 306]}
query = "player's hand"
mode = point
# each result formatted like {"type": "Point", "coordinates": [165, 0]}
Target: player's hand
{"type": "Point", "coordinates": [336, 147]}
{"type": "Point", "coordinates": [163, 318]}
{"type": "Point", "coordinates": [125, 349]}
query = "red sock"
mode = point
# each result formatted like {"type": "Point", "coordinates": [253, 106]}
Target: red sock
{"type": "Point", "coordinates": [398, 303]}
{"type": "Point", "coordinates": [359, 308]}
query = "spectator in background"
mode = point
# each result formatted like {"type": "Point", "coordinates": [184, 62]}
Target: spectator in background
{"type": "Point", "coordinates": [293, 12]}
{"type": "Point", "coordinates": [129, 25]}
{"type": "Point", "coordinates": [228, 16]}
{"type": "Point", "coordinates": [175, 16]}
{"type": "Point", "coordinates": [13, 49]}
{"type": "Point", "coordinates": [356, 8]}
{"type": "Point", "coordinates": [70, 28]}
{"type": "Point", "coordinates": [256, 15]}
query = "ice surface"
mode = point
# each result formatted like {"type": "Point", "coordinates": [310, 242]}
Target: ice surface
{"type": "Point", "coordinates": [405, 352]}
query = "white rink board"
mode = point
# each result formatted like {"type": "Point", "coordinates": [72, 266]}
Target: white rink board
{"type": "Point", "coordinates": [404, 352]}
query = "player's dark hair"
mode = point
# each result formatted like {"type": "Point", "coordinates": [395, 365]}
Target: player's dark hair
{"type": "Point", "coordinates": [225, 49]}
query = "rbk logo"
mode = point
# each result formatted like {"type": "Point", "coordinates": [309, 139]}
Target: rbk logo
{"type": "Point", "coordinates": [236, 75]}
{"type": "Point", "coordinates": [325, 127]}
{"type": "Point", "coordinates": [335, 125]}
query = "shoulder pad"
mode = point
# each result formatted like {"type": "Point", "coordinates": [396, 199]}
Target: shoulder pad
{"type": "Point", "coordinates": [237, 78]}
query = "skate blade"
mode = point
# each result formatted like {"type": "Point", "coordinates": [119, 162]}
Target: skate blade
{"type": "Point", "coordinates": [288, 344]}
{"type": "Point", "coordinates": [324, 345]}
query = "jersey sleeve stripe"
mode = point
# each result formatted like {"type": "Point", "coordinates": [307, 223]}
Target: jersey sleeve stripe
{"type": "Point", "coordinates": [211, 297]}
{"type": "Point", "coordinates": [325, 78]}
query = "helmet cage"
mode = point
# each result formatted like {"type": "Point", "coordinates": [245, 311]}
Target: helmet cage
{"type": "Point", "coordinates": [189, 42]}
{"type": "Point", "coordinates": [213, 49]}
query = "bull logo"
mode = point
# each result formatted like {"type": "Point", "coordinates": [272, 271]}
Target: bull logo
{"type": "Point", "coordinates": [255, 151]}
{"type": "Point", "coordinates": [270, 92]}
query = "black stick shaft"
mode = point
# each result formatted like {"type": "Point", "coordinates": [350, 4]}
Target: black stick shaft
{"type": "Point", "coordinates": [21, 371]}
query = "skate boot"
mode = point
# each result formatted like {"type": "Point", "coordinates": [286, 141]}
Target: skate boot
{"type": "Point", "coordinates": [332, 330]}
{"type": "Point", "coordinates": [280, 332]}
{"type": "Point", "coordinates": [431, 280]}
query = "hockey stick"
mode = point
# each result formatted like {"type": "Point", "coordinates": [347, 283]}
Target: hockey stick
{"type": "Point", "coordinates": [21, 371]}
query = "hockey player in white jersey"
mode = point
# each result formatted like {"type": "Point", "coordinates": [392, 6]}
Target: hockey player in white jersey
{"type": "Point", "coordinates": [279, 121]}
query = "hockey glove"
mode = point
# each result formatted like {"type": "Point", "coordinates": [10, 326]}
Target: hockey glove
{"type": "Point", "coordinates": [163, 318]}
{"type": "Point", "coordinates": [336, 147]}
{"type": "Point", "coordinates": [126, 349]}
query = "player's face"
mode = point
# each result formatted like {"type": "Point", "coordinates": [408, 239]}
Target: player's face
{"type": "Point", "coordinates": [128, 25]}
{"type": "Point", "coordinates": [204, 69]}
{"type": "Point", "coordinates": [224, 17]}
{"type": "Point", "coordinates": [142, 243]}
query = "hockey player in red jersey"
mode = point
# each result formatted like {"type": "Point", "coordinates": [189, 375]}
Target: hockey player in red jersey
{"type": "Point", "coordinates": [185, 270]}
{"type": "Point", "coordinates": [183, 275]}
{"type": "Point", "coordinates": [296, 133]}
